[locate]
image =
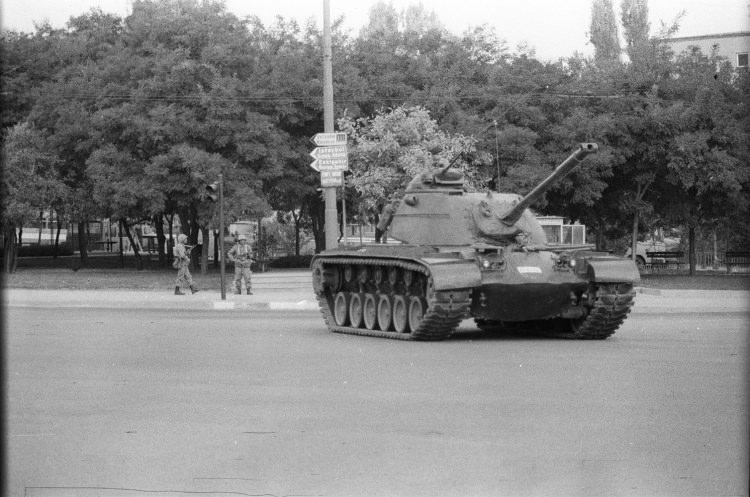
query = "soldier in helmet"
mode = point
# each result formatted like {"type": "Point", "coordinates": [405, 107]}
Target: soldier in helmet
{"type": "Point", "coordinates": [182, 264]}
{"type": "Point", "coordinates": [241, 255]}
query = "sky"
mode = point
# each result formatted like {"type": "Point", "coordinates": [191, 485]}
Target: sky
{"type": "Point", "coordinates": [554, 28]}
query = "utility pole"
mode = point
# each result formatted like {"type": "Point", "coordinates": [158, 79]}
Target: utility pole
{"type": "Point", "coordinates": [221, 237]}
{"type": "Point", "coordinates": [329, 193]}
{"type": "Point", "coordinates": [215, 193]}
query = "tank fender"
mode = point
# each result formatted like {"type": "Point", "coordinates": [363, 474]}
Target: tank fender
{"type": "Point", "coordinates": [453, 274]}
{"type": "Point", "coordinates": [613, 270]}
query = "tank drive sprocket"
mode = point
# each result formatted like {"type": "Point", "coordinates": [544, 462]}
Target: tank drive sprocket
{"type": "Point", "coordinates": [610, 305]}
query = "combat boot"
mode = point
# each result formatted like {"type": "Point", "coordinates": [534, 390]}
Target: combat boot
{"type": "Point", "coordinates": [177, 291]}
{"type": "Point", "coordinates": [249, 292]}
{"type": "Point", "coordinates": [193, 289]}
{"type": "Point", "coordinates": [238, 290]}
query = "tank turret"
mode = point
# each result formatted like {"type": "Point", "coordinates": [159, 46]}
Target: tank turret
{"type": "Point", "coordinates": [452, 253]}
{"type": "Point", "coordinates": [436, 210]}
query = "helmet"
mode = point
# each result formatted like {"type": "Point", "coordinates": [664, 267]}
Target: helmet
{"type": "Point", "coordinates": [182, 238]}
{"type": "Point", "coordinates": [241, 237]}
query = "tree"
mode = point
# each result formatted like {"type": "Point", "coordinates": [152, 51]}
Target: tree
{"type": "Point", "coordinates": [29, 185]}
{"type": "Point", "coordinates": [604, 33]}
{"type": "Point", "coordinates": [391, 148]}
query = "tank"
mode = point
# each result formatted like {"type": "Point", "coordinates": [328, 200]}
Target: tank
{"type": "Point", "coordinates": [462, 255]}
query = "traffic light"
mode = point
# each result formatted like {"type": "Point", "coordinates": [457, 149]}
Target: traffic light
{"type": "Point", "coordinates": [213, 192]}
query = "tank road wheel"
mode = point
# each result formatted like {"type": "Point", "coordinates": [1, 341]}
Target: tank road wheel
{"type": "Point", "coordinates": [355, 310]}
{"type": "Point", "coordinates": [340, 308]}
{"type": "Point", "coordinates": [370, 311]}
{"type": "Point", "coordinates": [348, 273]}
{"type": "Point", "coordinates": [392, 276]}
{"type": "Point", "coordinates": [385, 313]}
{"type": "Point", "coordinates": [416, 312]}
{"type": "Point", "coordinates": [408, 279]}
{"type": "Point", "coordinates": [363, 274]}
{"type": "Point", "coordinates": [400, 314]}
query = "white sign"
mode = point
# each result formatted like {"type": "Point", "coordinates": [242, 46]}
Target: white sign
{"type": "Point", "coordinates": [330, 164]}
{"type": "Point", "coordinates": [334, 158]}
{"type": "Point", "coordinates": [326, 139]}
{"type": "Point", "coordinates": [334, 152]}
{"type": "Point", "coordinates": [331, 178]}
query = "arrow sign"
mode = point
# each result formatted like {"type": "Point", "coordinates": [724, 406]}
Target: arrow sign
{"type": "Point", "coordinates": [335, 152]}
{"type": "Point", "coordinates": [326, 139]}
{"type": "Point", "coordinates": [332, 158]}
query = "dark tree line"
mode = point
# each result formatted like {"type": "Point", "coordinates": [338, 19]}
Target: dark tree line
{"type": "Point", "coordinates": [130, 118]}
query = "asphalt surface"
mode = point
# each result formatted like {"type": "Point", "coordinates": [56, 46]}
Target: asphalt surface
{"type": "Point", "coordinates": [156, 403]}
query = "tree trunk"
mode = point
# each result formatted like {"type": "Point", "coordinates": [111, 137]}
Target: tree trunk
{"type": "Point", "coordinates": [216, 248]}
{"type": "Point", "coordinates": [57, 239]}
{"type": "Point", "coordinates": [204, 251]}
{"type": "Point", "coordinates": [119, 237]}
{"type": "Point", "coordinates": [296, 219]}
{"type": "Point", "coordinates": [691, 249]}
{"type": "Point", "coordinates": [160, 239]}
{"type": "Point", "coordinates": [136, 252]}
{"type": "Point", "coordinates": [634, 245]}
{"type": "Point", "coordinates": [715, 262]}
{"type": "Point", "coordinates": [170, 247]}
{"type": "Point", "coordinates": [41, 222]}
{"type": "Point", "coordinates": [83, 243]}
{"type": "Point", "coordinates": [10, 248]}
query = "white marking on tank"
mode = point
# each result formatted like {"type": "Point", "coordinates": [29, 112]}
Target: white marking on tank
{"type": "Point", "coordinates": [529, 270]}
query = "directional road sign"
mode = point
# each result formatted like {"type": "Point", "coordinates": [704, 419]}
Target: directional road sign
{"type": "Point", "coordinates": [326, 139]}
{"type": "Point", "coordinates": [331, 178]}
{"type": "Point", "coordinates": [332, 158]}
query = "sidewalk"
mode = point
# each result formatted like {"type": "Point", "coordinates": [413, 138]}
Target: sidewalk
{"type": "Point", "coordinates": [292, 291]}
{"type": "Point", "coordinates": [287, 290]}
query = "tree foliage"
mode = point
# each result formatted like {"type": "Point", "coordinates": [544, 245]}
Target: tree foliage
{"type": "Point", "coordinates": [131, 117]}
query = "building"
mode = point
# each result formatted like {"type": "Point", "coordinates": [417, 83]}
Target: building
{"type": "Point", "coordinates": [732, 46]}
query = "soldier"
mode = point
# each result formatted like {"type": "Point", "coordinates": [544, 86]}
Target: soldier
{"type": "Point", "coordinates": [242, 258]}
{"type": "Point", "coordinates": [182, 264]}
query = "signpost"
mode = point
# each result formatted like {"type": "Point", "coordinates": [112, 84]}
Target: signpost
{"type": "Point", "coordinates": [331, 160]}
{"type": "Point", "coordinates": [329, 139]}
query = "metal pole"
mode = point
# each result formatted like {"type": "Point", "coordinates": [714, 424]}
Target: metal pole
{"type": "Point", "coordinates": [497, 159]}
{"type": "Point", "coordinates": [329, 193]}
{"type": "Point", "coordinates": [221, 235]}
{"type": "Point", "coordinates": [343, 208]}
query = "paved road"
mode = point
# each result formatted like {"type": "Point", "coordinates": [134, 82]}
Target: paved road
{"type": "Point", "coordinates": [122, 402]}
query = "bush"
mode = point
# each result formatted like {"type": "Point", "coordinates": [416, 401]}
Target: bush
{"type": "Point", "coordinates": [292, 261]}
{"type": "Point", "coordinates": [43, 250]}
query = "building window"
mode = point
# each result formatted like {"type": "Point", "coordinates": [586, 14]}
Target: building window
{"type": "Point", "coordinates": [742, 59]}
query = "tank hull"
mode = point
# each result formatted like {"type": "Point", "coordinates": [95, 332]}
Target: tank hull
{"type": "Point", "coordinates": [419, 293]}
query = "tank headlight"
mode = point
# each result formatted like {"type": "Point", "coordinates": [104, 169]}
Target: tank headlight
{"type": "Point", "coordinates": [572, 263]}
{"type": "Point", "coordinates": [486, 264]}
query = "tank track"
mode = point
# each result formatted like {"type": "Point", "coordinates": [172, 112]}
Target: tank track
{"type": "Point", "coordinates": [611, 304]}
{"type": "Point", "coordinates": [608, 309]}
{"type": "Point", "coordinates": [441, 317]}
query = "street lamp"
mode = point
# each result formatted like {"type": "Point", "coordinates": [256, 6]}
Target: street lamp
{"type": "Point", "coordinates": [216, 194]}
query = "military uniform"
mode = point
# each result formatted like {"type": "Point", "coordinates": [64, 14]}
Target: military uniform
{"type": "Point", "coordinates": [182, 264]}
{"type": "Point", "coordinates": [241, 255]}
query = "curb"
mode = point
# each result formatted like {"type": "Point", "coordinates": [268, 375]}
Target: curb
{"type": "Point", "coordinates": [302, 305]}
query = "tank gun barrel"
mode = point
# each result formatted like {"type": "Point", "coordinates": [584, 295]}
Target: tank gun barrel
{"type": "Point", "coordinates": [565, 168]}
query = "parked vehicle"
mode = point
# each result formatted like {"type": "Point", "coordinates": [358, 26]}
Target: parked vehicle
{"type": "Point", "coordinates": [652, 242]}
{"type": "Point", "coordinates": [483, 255]}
